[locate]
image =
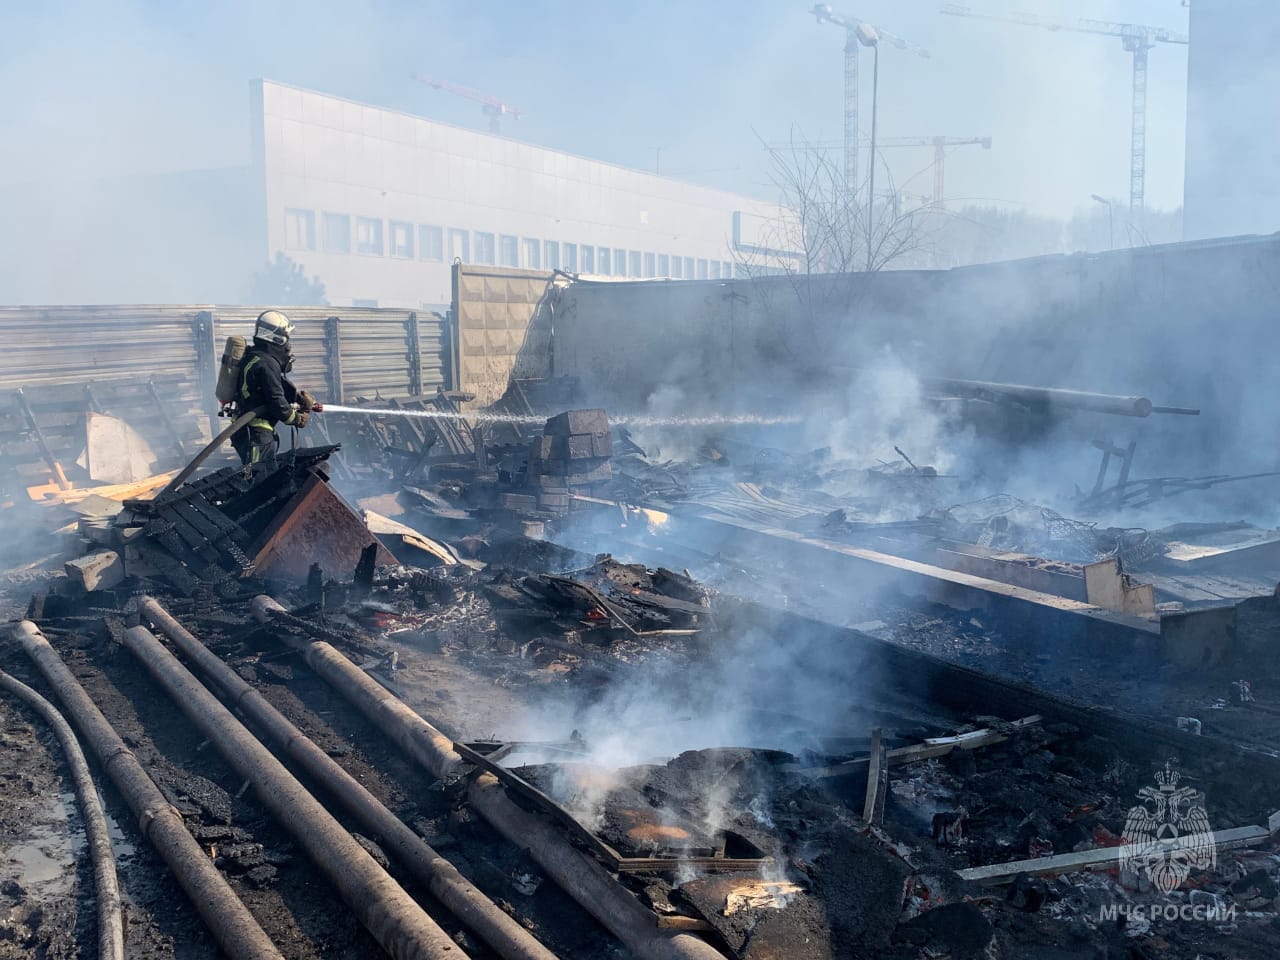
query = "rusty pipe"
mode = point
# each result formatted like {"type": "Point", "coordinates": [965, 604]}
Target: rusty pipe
{"type": "Point", "coordinates": [412, 734]}
{"type": "Point", "coordinates": [392, 917]}
{"type": "Point", "coordinates": [105, 883]}
{"type": "Point", "coordinates": [230, 922]}
{"type": "Point", "coordinates": [578, 874]}
{"type": "Point", "coordinates": [507, 938]}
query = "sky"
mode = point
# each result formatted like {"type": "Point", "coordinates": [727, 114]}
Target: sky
{"type": "Point", "coordinates": [692, 88]}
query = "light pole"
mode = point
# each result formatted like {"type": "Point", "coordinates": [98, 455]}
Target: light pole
{"type": "Point", "coordinates": [1111, 221]}
{"type": "Point", "coordinates": [868, 37]}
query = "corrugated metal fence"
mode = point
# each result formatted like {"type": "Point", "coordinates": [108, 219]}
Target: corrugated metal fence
{"type": "Point", "coordinates": [345, 351]}
{"type": "Point", "coordinates": [155, 366]}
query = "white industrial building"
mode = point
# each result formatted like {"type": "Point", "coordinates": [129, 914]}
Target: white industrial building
{"type": "Point", "coordinates": [378, 204]}
{"type": "Point", "coordinates": [1233, 114]}
{"type": "Point", "coordinates": [375, 203]}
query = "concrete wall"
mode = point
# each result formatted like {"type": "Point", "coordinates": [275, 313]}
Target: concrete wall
{"type": "Point", "coordinates": [504, 322]}
{"type": "Point", "coordinates": [1233, 114]}
{"type": "Point", "coordinates": [1186, 325]}
{"type": "Point", "coordinates": [325, 157]}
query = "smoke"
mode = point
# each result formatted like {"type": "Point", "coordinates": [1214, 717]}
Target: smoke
{"type": "Point", "coordinates": [884, 408]}
{"type": "Point", "coordinates": [748, 686]}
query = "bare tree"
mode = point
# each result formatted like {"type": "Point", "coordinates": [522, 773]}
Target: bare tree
{"type": "Point", "coordinates": [824, 228]}
{"type": "Point", "coordinates": [826, 241]}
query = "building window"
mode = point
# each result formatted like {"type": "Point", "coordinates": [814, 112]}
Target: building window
{"type": "Point", "coordinates": [571, 257]}
{"type": "Point", "coordinates": [337, 233]}
{"type": "Point", "coordinates": [727, 270]}
{"type": "Point", "coordinates": [299, 229]}
{"type": "Point", "coordinates": [676, 263]}
{"type": "Point", "coordinates": [664, 265]}
{"type": "Point", "coordinates": [431, 243]}
{"type": "Point", "coordinates": [551, 250]}
{"type": "Point", "coordinates": [369, 236]}
{"type": "Point", "coordinates": [650, 265]}
{"type": "Point", "coordinates": [619, 263]}
{"type": "Point", "coordinates": [402, 239]}
{"type": "Point", "coordinates": [715, 269]}
{"type": "Point", "coordinates": [605, 269]}
{"type": "Point", "coordinates": [588, 258]}
{"type": "Point", "coordinates": [688, 268]}
{"type": "Point", "coordinates": [532, 254]}
{"type": "Point", "coordinates": [485, 252]}
{"type": "Point", "coordinates": [509, 250]}
{"type": "Point", "coordinates": [459, 245]}
{"type": "Point", "coordinates": [634, 267]}
{"type": "Point", "coordinates": [702, 269]}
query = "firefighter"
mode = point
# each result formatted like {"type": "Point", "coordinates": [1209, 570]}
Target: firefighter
{"type": "Point", "coordinates": [262, 384]}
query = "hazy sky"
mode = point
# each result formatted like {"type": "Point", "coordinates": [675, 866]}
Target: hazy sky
{"type": "Point", "coordinates": [134, 85]}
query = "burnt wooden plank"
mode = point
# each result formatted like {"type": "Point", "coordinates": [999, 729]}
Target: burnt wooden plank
{"type": "Point", "coordinates": [219, 519]}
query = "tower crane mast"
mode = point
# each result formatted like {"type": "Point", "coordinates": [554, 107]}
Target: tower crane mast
{"type": "Point", "coordinates": [1138, 40]}
{"type": "Point", "coordinates": [857, 33]}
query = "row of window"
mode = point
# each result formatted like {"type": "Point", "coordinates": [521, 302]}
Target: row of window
{"type": "Point", "coordinates": [409, 241]}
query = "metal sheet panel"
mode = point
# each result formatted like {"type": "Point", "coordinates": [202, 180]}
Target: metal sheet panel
{"type": "Point", "coordinates": [375, 348]}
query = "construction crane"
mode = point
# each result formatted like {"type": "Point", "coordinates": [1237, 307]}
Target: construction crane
{"type": "Point", "coordinates": [939, 145]}
{"type": "Point", "coordinates": [491, 107]}
{"type": "Point", "coordinates": [857, 33]}
{"type": "Point", "coordinates": [1138, 40]}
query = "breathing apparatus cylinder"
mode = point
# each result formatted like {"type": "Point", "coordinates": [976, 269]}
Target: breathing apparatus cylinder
{"type": "Point", "coordinates": [229, 369]}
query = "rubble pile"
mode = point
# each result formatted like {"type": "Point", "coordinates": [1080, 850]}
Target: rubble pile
{"type": "Point", "coordinates": [213, 531]}
{"type": "Point", "coordinates": [571, 457]}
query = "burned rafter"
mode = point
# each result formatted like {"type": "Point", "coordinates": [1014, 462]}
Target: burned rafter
{"type": "Point", "coordinates": [205, 530]}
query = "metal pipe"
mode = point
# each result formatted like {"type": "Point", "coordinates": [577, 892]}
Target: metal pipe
{"type": "Point", "coordinates": [110, 920]}
{"type": "Point", "coordinates": [394, 919]}
{"type": "Point", "coordinates": [411, 733]}
{"type": "Point", "coordinates": [230, 922]}
{"type": "Point", "coordinates": [1039, 398]}
{"type": "Point", "coordinates": [478, 912]}
{"type": "Point", "coordinates": [582, 877]}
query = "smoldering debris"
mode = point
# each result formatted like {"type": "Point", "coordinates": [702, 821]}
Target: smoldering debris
{"type": "Point", "coordinates": [717, 762]}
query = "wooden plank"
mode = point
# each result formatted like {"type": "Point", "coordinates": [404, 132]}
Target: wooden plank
{"type": "Point", "coordinates": [1261, 551]}
{"type": "Point", "coordinates": [1015, 572]}
{"type": "Point", "coordinates": [877, 779]}
{"type": "Point", "coordinates": [912, 576]}
{"type": "Point", "coordinates": [680, 922]}
{"type": "Point", "coordinates": [220, 520]}
{"type": "Point", "coordinates": [671, 864]}
{"type": "Point", "coordinates": [927, 750]}
{"type": "Point", "coordinates": [1102, 858]}
{"type": "Point", "coordinates": [118, 491]}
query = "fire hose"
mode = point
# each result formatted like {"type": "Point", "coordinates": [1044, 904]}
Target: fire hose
{"type": "Point", "coordinates": [110, 919]}
{"type": "Point", "coordinates": [241, 421]}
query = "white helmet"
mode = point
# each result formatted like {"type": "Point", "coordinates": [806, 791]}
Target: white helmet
{"type": "Point", "coordinates": [272, 327]}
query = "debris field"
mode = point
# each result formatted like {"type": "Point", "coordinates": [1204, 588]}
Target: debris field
{"type": "Point", "coordinates": [450, 688]}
